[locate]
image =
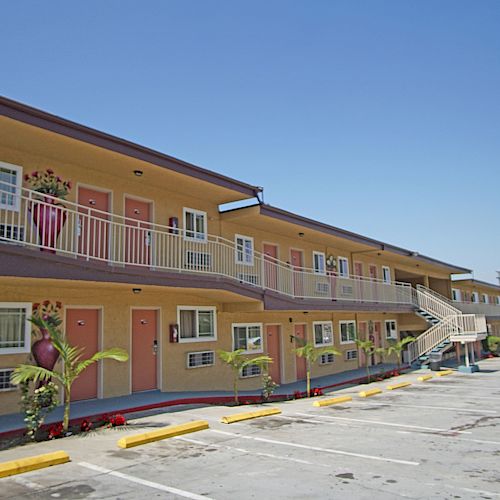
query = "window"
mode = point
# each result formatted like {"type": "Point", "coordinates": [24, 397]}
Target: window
{"type": "Point", "coordinates": [10, 186]}
{"type": "Point", "coordinates": [386, 274]}
{"type": "Point", "coordinates": [323, 333]}
{"type": "Point", "coordinates": [498, 300]}
{"type": "Point", "coordinates": [196, 323]}
{"type": "Point", "coordinates": [343, 267]}
{"type": "Point", "coordinates": [455, 294]}
{"type": "Point", "coordinates": [391, 330]}
{"type": "Point", "coordinates": [326, 359]}
{"type": "Point", "coordinates": [200, 359]}
{"type": "Point", "coordinates": [247, 337]}
{"type": "Point", "coordinates": [351, 355]}
{"type": "Point", "coordinates": [475, 297]}
{"type": "Point", "coordinates": [15, 328]}
{"type": "Point", "coordinates": [250, 371]}
{"type": "Point", "coordinates": [484, 298]}
{"type": "Point", "coordinates": [195, 224]}
{"type": "Point", "coordinates": [347, 332]}
{"type": "Point", "coordinates": [5, 384]}
{"type": "Point", "coordinates": [244, 250]}
{"type": "Point", "coordinates": [319, 262]}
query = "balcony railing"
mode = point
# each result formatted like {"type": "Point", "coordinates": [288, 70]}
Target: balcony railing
{"type": "Point", "coordinates": [30, 219]}
{"type": "Point", "coordinates": [478, 308]}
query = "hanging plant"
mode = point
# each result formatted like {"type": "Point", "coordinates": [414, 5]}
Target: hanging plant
{"type": "Point", "coordinates": [331, 263]}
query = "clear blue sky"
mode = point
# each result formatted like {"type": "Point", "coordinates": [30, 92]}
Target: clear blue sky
{"type": "Point", "coordinates": [381, 117]}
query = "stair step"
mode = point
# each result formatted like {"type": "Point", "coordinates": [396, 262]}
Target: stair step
{"type": "Point", "coordinates": [423, 358]}
{"type": "Point", "coordinates": [447, 342]}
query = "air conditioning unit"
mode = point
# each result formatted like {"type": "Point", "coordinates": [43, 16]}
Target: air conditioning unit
{"type": "Point", "coordinates": [251, 279]}
{"type": "Point", "coordinates": [201, 261]}
{"type": "Point", "coordinates": [323, 288]}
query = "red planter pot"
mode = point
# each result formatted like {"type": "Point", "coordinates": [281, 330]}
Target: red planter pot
{"type": "Point", "coordinates": [49, 219]}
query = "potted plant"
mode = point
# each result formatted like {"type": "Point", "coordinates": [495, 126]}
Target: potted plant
{"type": "Point", "coordinates": [48, 214]}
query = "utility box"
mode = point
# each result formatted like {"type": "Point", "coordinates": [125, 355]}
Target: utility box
{"type": "Point", "coordinates": [435, 359]}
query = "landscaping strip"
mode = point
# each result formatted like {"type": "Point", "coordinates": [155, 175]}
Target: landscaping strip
{"type": "Point", "coordinates": [444, 373]}
{"type": "Point", "coordinates": [164, 433]}
{"type": "Point", "coordinates": [250, 414]}
{"type": "Point", "coordinates": [332, 401]}
{"type": "Point", "coordinates": [369, 392]}
{"type": "Point", "coordinates": [398, 386]}
{"type": "Point", "coordinates": [423, 378]}
{"type": "Point", "coordinates": [33, 463]}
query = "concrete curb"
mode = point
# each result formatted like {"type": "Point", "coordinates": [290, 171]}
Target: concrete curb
{"type": "Point", "coordinates": [333, 401]}
{"type": "Point", "coordinates": [369, 392]}
{"type": "Point", "coordinates": [248, 415]}
{"type": "Point", "coordinates": [423, 378]}
{"type": "Point", "coordinates": [164, 433]}
{"type": "Point", "coordinates": [33, 463]}
{"type": "Point", "coordinates": [444, 373]}
{"type": "Point", "coordinates": [398, 386]}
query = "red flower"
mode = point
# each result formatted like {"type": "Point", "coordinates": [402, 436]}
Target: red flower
{"type": "Point", "coordinates": [34, 174]}
{"type": "Point", "coordinates": [55, 431]}
{"type": "Point", "coordinates": [46, 303]}
{"type": "Point", "coordinates": [50, 171]}
{"type": "Point", "coordinates": [58, 305]}
{"type": "Point", "coordinates": [85, 426]}
{"type": "Point", "coordinates": [36, 306]}
{"type": "Point", "coordinates": [26, 177]}
{"type": "Point", "coordinates": [117, 420]}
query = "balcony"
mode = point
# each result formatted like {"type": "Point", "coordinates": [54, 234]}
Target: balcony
{"type": "Point", "coordinates": [489, 310]}
{"type": "Point", "coordinates": [37, 221]}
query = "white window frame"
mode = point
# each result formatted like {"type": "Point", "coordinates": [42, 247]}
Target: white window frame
{"type": "Point", "coordinates": [392, 337]}
{"type": "Point", "coordinates": [198, 353]}
{"type": "Point", "coordinates": [327, 358]}
{"type": "Point", "coordinates": [247, 326]}
{"type": "Point", "coordinates": [351, 357]}
{"type": "Point", "coordinates": [455, 294]}
{"type": "Point", "coordinates": [27, 327]}
{"type": "Point", "coordinates": [248, 259]}
{"type": "Point", "coordinates": [322, 324]}
{"type": "Point", "coordinates": [386, 274]}
{"type": "Point", "coordinates": [320, 259]}
{"type": "Point", "coordinates": [343, 267]}
{"type": "Point", "coordinates": [11, 387]}
{"type": "Point", "coordinates": [185, 212]}
{"type": "Point", "coordinates": [197, 309]}
{"type": "Point", "coordinates": [347, 322]}
{"type": "Point", "coordinates": [484, 297]}
{"type": "Point", "coordinates": [475, 297]}
{"type": "Point", "coordinates": [498, 300]}
{"type": "Point", "coordinates": [252, 374]}
{"type": "Point", "coordinates": [17, 190]}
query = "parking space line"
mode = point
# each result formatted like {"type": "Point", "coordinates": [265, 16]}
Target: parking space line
{"type": "Point", "coordinates": [143, 482]}
{"type": "Point", "coordinates": [316, 448]}
{"type": "Point", "coordinates": [377, 422]}
{"type": "Point", "coordinates": [481, 441]}
{"type": "Point", "coordinates": [444, 394]}
{"type": "Point", "coordinates": [250, 452]}
{"type": "Point", "coordinates": [427, 407]}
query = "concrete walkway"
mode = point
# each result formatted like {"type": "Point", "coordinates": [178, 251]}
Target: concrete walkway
{"type": "Point", "coordinates": [156, 399]}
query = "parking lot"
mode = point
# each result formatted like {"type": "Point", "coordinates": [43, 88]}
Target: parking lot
{"type": "Point", "coordinates": [434, 439]}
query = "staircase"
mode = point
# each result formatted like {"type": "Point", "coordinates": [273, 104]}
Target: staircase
{"type": "Point", "coordinates": [447, 323]}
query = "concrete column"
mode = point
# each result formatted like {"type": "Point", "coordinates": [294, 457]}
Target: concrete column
{"type": "Point", "coordinates": [466, 347]}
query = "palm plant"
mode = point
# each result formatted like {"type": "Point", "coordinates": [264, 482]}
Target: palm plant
{"type": "Point", "coordinates": [397, 347]}
{"type": "Point", "coordinates": [237, 361]}
{"type": "Point", "coordinates": [368, 347]}
{"type": "Point", "coordinates": [72, 366]}
{"type": "Point", "coordinates": [311, 355]}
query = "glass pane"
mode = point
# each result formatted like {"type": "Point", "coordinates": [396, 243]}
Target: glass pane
{"type": "Point", "coordinates": [200, 227]}
{"type": "Point", "coordinates": [254, 338]}
{"type": "Point", "coordinates": [187, 328]}
{"type": "Point", "coordinates": [318, 334]}
{"type": "Point", "coordinates": [206, 323]}
{"type": "Point", "coordinates": [240, 337]}
{"type": "Point", "coordinates": [7, 186]}
{"type": "Point", "coordinates": [12, 325]}
{"type": "Point", "coordinates": [327, 333]}
{"type": "Point", "coordinates": [189, 224]}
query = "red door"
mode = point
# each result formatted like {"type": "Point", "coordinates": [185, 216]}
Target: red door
{"type": "Point", "coordinates": [270, 266]}
{"type": "Point", "coordinates": [273, 351]}
{"type": "Point", "coordinates": [358, 273]}
{"type": "Point", "coordinates": [373, 275]}
{"type": "Point", "coordinates": [93, 236]}
{"type": "Point", "coordinates": [144, 347]}
{"type": "Point", "coordinates": [358, 269]}
{"type": "Point", "coordinates": [298, 278]}
{"type": "Point", "coordinates": [137, 232]}
{"type": "Point", "coordinates": [300, 362]}
{"type": "Point", "coordinates": [362, 335]}
{"type": "Point", "coordinates": [82, 330]}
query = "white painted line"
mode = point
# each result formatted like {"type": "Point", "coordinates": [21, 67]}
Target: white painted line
{"type": "Point", "coordinates": [454, 438]}
{"type": "Point", "coordinates": [26, 482]}
{"type": "Point", "coordinates": [249, 452]}
{"type": "Point", "coordinates": [444, 394]}
{"type": "Point", "coordinates": [389, 424]}
{"type": "Point", "coordinates": [143, 482]}
{"type": "Point", "coordinates": [427, 407]}
{"type": "Point", "coordinates": [316, 448]}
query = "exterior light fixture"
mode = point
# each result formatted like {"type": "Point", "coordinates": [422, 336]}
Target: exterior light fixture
{"type": "Point", "coordinates": [301, 235]}
{"type": "Point", "coordinates": [138, 173]}
{"type": "Point", "coordinates": [137, 290]}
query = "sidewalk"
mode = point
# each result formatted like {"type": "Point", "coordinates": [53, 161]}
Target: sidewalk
{"type": "Point", "coordinates": [13, 423]}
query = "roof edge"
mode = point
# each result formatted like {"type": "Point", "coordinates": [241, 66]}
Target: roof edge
{"type": "Point", "coordinates": [42, 119]}
{"type": "Point", "coordinates": [479, 282]}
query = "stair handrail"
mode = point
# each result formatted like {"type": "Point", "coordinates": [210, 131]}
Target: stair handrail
{"type": "Point", "coordinates": [431, 338]}
{"type": "Point", "coordinates": [433, 303]}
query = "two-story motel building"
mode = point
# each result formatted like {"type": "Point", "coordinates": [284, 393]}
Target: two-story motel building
{"type": "Point", "coordinates": [146, 260]}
